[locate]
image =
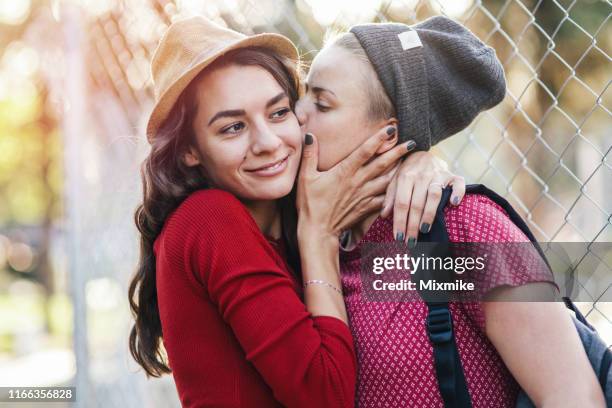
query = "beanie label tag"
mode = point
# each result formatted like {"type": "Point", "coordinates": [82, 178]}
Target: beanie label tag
{"type": "Point", "coordinates": [409, 39]}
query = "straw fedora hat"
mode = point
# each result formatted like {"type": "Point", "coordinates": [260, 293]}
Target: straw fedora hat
{"type": "Point", "coordinates": [189, 46]}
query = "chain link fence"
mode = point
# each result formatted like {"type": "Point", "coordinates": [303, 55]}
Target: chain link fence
{"type": "Point", "coordinates": [546, 147]}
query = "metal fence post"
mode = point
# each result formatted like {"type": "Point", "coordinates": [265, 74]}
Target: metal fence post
{"type": "Point", "coordinates": [75, 96]}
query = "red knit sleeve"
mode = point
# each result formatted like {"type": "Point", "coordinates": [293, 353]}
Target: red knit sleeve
{"type": "Point", "coordinates": [306, 361]}
{"type": "Point", "coordinates": [479, 219]}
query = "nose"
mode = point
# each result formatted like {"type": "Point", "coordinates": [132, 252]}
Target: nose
{"type": "Point", "coordinates": [300, 111]}
{"type": "Point", "coordinates": [264, 140]}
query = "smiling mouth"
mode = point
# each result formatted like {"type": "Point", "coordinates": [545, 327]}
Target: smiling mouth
{"type": "Point", "coordinates": [272, 166]}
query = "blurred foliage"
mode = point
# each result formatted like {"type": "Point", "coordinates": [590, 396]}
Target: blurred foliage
{"type": "Point", "coordinates": [30, 167]}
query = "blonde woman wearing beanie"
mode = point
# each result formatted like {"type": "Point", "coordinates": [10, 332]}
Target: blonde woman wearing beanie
{"type": "Point", "coordinates": [248, 316]}
{"type": "Point", "coordinates": [431, 80]}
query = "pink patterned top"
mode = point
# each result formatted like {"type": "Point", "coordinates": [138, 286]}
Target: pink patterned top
{"type": "Point", "coordinates": [395, 357]}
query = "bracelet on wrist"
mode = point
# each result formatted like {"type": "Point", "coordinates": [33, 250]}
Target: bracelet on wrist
{"type": "Point", "coordinates": [321, 282]}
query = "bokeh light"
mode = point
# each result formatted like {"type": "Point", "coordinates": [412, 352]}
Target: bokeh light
{"type": "Point", "coordinates": [14, 12]}
{"type": "Point", "coordinates": [343, 12]}
{"type": "Point", "coordinates": [20, 256]}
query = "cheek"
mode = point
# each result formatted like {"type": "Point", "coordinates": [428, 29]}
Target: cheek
{"type": "Point", "coordinates": [223, 158]}
{"type": "Point", "coordinates": [291, 132]}
{"type": "Point", "coordinates": [338, 135]}
{"type": "Point", "coordinates": [292, 136]}
{"type": "Point", "coordinates": [324, 125]}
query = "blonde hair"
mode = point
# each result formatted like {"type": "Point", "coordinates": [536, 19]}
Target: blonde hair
{"type": "Point", "coordinates": [380, 106]}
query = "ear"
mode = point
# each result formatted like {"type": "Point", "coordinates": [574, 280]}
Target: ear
{"type": "Point", "coordinates": [191, 157]}
{"type": "Point", "coordinates": [389, 144]}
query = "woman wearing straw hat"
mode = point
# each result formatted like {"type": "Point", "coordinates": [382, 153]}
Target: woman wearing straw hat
{"type": "Point", "coordinates": [246, 319]}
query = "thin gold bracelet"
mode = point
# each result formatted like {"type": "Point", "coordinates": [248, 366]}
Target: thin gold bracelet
{"type": "Point", "coordinates": [320, 282]}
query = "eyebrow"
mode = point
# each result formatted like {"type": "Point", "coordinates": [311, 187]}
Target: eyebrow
{"type": "Point", "coordinates": [318, 89]}
{"type": "Point", "coordinates": [226, 114]}
{"type": "Point", "coordinates": [241, 112]}
{"type": "Point", "coordinates": [276, 99]}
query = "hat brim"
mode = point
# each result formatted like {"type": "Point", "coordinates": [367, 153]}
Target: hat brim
{"type": "Point", "coordinates": [275, 42]}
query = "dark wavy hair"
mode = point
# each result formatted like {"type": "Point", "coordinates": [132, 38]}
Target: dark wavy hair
{"type": "Point", "coordinates": [167, 181]}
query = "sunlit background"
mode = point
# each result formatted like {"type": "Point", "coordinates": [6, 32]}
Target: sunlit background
{"type": "Point", "coordinates": [74, 94]}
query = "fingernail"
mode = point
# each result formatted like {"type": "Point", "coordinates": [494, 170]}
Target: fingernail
{"type": "Point", "coordinates": [399, 237]}
{"type": "Point", "coordinates": [456, 200]}
{"type": "Point", "coordinates": [411, 145]}
{"type": "Point", "coordinates": [425, 228]}
{"type": "Point", "coordinates": [412, 242]}
{"type": "Point", "coordinates": [308, 139]}
{"type": "Point", "coordinates": [390, 132]}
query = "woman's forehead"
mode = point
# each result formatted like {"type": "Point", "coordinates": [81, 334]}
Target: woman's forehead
{"type": "Point", "coordinates": [336, 69]}
{"type": "Point", "coordinates": [224, 89]}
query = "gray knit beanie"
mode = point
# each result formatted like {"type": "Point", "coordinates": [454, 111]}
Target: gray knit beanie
{"type": "Point", "coordinates": [438, 75]}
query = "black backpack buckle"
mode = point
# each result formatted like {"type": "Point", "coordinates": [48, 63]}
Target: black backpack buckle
{"type": "Point", "coordinates": [439, 326]}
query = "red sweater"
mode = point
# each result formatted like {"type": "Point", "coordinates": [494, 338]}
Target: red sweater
{"type": "Point", "coordinates": [234, 326]}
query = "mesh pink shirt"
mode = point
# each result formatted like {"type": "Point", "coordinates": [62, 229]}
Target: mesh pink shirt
{"type": "Point", "coordinates": [395, 357]}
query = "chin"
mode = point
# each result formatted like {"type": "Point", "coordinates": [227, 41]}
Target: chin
{"type": "Point", "coordinates": [272, 190]}
{"type": "Point", "coordinates": [277, 191]}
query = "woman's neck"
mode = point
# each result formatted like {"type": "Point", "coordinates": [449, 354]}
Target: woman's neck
{"type": "Point", "coordinates": [267, 217]}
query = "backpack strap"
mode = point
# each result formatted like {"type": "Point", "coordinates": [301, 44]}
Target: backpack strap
{"type": "Point", "coordinates": [512, 214]}
{"type": "Point", "coordinates": [439, 325]}
{"type": "Point", "coordinates": [604, 368]}
{"type": "Point", "coordinates": [449, 371]}
{"type": "Point", "coordinates": [579, 316]}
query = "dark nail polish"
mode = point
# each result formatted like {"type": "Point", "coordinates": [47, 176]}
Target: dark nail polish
{"type": "Point", "coordinates": [411, 145]}
{"type": "Point", "coordinates": [412, 242]}
{"type": "Point", "coordinates": [308, 139]}
{"type": "Point", "coordinates": [456, 201]}
{"type": "Point", "coordinates": [425, 228]}
{"type": "Point", "coordinates": [390, 132]}
{"type": "Point", "coordinates": [399, 237]}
